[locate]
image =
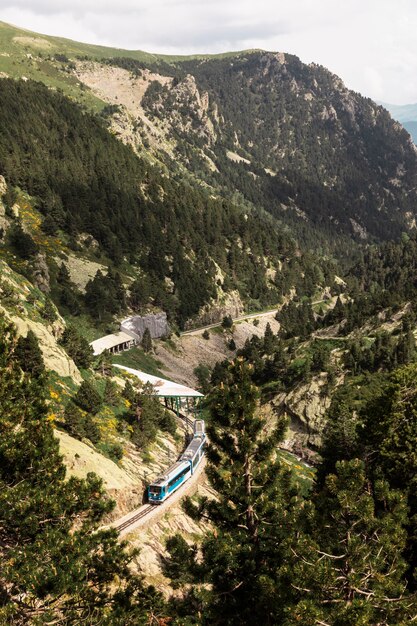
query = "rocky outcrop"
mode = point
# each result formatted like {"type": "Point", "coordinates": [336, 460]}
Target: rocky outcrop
{"type": "Point", "coordinates": [81, 269]}
{"type": "Point", "coordinates": [230, 304]}
{"type": "Point", "coordinates": [156, 323]}
{"type": "Point", "coordinates": [55, 357]}
{"type": "Point", "coordinates": [15, 293]}
{"type": "Point", "coordinates": [306, 408]}
{"type": "Point", "coordinates": [41, 278]}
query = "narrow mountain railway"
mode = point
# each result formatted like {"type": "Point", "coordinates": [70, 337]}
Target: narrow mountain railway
{"type": "Point", "coordinates": [172, 479]}
{"type": "Point", "coordinates": [135, 518]}
{"type": "Point", "coordinates": [187, 420]}
{"type": "Point", "coordinates": [161, 488]}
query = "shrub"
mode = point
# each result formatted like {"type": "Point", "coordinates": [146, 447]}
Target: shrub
{"type": "Point", "coordinates": [77, 346]}
{"type": "Point", "coordinates": [227, 321]}
{"type": "Point", "coordinates": [147, 341]}
{"type": "Point", "coordinates": [92, 431]}
{"type": "Point", "coordinates": [22, 242]}
{"type": "Point", "coordinates": [113, 450]}
{"type": "Point", "coordinates": [29, 354]}
{"type": "Point", "coordinates": [88, 398]}
{"type": "Point", "coordinates": [203, 373]}
{"type": "Point", "coordinates": [48, 312]}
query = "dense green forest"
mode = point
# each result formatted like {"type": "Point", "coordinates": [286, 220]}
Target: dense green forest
{"type": "Point", "coordinates": [58, 566]}
{"type": "Point", "coordinates": [308, 144]}
{"type": "Point", "coordinates": [84, 180]}
{"type": "Point", "coordinates": [315, 217]}
{"type": "Point", "coordinates": [342, 553]}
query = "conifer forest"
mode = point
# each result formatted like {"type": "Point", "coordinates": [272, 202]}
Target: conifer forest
{"type": "Point", "coordinates": [238, 232]}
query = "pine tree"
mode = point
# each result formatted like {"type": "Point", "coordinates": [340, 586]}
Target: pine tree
{"type": "Point", "coordinates": [74, 420]}
{"type": "Point", "coordinates": [77, 346]}
{"type": "Point", "coordinates": [227, 322]}
{"type": "Point", "coordinates": [140, 292]}
{"type": "Point", "coordinates": [339, 311]}
{"type": "Point", "coordinates": [103, 363]}
{"type": "Point", "coordinates": [146, 341]}
{"type": "Point", "coordinates": [88, 398]}
{"type": "Point", "coordinates": [269, 340]}
{"type": "Point", "coordinates": [111, 392]}
{"type": "Point", "coordinates": [56, 565]}
{"type": "Point", "coordinates": [91, 430]}
{"type": "Point", "coordinates": [129, 392]}
{"type": "Point", "coordinates": [63, 276]}
{"type": "Point", "coordinates": [242, 556]}
{"type": "Point", "coordinates": [22, 242]}
{"type": "Point", "coordinates": [29, 354]}
{"type": "Point", "coordinates": [347, 566]}
{"type": "Point", "coordinates": [49, 312]}
{"type": "Point", "coordinates": [146, 415]}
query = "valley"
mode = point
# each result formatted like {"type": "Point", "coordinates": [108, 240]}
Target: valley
{"type": "Point", "coordinates": [252, 222]}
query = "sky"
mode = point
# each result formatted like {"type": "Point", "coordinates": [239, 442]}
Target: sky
{"type": "Point", "coordinates": [370, 44]}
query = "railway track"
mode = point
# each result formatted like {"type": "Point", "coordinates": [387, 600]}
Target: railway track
{"type": "Point", "coordinates": [135, 518]}
{"type": "Point", "coordinates": [146, 510]}
{"type": "Point", "coordinates": [186, 419]}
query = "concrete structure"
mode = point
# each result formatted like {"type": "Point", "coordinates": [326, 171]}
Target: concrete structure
{"type": "Point", "coordinates": [131, 333]}
{"type": "Point", "coordinates": [156, 323]}
{"type": "Point", "coordinates": [163, 388]}
{"type": "Point", "coordinates": [117, 342]}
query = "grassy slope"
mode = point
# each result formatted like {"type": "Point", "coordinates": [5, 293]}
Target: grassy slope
{"type": "Point", "coordinates": [71, 48]}
{"type": "Point", "coordinates": [29, 54]}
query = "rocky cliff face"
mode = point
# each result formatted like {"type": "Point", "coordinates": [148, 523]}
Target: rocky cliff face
{"type": "Point", "coordinates": [23, 305]}
{"type": "Point", "coordinates": [305, 407]}
{"type": "Point", "coordinates": [212, 313]}
{"type": "Point", "coordinates": [290, 137]}
{"type": "Point", "coordinates": [156, 323]}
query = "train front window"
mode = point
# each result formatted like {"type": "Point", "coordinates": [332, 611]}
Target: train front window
{"type": "Point", "coordinates": [154, 490]}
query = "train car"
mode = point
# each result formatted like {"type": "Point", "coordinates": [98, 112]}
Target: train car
{"type": "Point", "coordinates": [181, 471]}
{"type": "Point", "coordinates": [194, 453]}
{"type": "Point", "coordinates": [175, 476]}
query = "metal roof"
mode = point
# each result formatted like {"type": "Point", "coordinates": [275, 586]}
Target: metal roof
{"type": "Point", "coordinates": [170, 472]}
{"type": "Point", "coordinates": [110, 341]}
{"type": "Point", "coordinates": [163, 388]}
{"type": "Point", "coordinates": [189, 453]}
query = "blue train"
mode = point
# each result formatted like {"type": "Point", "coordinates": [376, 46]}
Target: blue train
{"type": "Point", "coordinates": [181, 471]}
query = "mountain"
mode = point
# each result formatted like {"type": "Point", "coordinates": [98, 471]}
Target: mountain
{"type": "Point", "coordinates": [131, 183]}
{"type": "Point", "coordinates": [411, 127]}
{"type": "Point", "coordinates": [294, 142]}
{"type": "Point", "coordinates": [402, 112]}
{"type": "Point", "coordinates": [83, 182]}
{"type": "Point", "coordinates": [261, 167]}
{"type": "Point", "coordinates": [406, 114]}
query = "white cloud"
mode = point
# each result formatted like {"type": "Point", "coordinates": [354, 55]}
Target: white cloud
{"type": "Point", "coordinates": [371, 44]}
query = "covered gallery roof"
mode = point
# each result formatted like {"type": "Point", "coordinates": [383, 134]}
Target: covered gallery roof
{"type": "Point", "coordinates": [110, 341]}
{"type": "Point", "coordinates": [163, 388]}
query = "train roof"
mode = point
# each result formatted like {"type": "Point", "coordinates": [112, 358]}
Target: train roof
{"type": "Point", "coordinates": [192, 448]}
{"type": "Point", "coordinates": [170, 472]}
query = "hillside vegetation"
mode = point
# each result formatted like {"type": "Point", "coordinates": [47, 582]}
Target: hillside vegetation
{"type": "Point", "coordinates": [83, 180]}
{"type": "Point", "coordinates": [131, 183]}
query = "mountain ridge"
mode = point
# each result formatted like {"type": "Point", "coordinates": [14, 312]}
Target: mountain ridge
{"type": "Point", "coordinates": [299, 157]}
{"type": "Point", "coordinates": [406, 114]}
